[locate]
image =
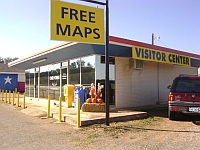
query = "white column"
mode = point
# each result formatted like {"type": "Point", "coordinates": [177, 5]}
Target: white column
{"type": "Point", "coordinates": [29, 89]}
{"type": "Point", "coordinates": [48, 80]}
{"type": "Point", "coordinates": [80, 71]}
{"type": "Point", "coordinates": [38, 83]}
{"type": "Point", "coordinates": [34, 82]}
{"type": "Point", "coordinates": [60, 79]}
{"type": "Point", "coordinates": [68, 72]}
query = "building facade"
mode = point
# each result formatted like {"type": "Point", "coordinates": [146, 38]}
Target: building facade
{"type": "Point", "coordinates": [141, 72]}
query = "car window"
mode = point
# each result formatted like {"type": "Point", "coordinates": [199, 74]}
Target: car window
{"type": "Point", "coordinates": [187, 85]}
{"type": "Point", "coordinates": [197, 88]}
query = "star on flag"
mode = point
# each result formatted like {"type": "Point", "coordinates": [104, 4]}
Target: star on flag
{"type": "Point", "coordinates": [8, 80]}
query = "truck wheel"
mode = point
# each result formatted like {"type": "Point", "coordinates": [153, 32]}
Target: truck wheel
{"type": "Point", "coordinates": [172, 115]}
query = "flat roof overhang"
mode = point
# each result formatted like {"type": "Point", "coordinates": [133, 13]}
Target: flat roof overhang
{"type": "Point", "coordinates": [118, 47]}
{"type": "Point", "coordinates": [68, 51]}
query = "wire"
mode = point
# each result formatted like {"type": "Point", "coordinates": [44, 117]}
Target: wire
{"type": "Point", "coordinates": [163, 43]}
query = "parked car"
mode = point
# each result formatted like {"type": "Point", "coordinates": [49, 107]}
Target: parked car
{"type": "Point", "coordinates": [184, 96]}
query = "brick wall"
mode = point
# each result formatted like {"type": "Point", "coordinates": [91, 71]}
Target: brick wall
{"type": "Point", "coordinates": [135, 88]}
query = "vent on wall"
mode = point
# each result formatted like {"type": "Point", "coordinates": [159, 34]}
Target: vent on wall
{"type": "Point", "coordinates": [136, 64]}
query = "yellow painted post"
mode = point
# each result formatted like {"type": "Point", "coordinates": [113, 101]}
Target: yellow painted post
{"type": "Point", "coordinates": [6, 96]}
{"type": "Point", "coordinates": [48, 111]}
{"type": "Point", "coordinates": [60, 109]}
{"type": "Point", "coordinates": [13, 100]}
{"type": "Point", "coordinates": [24, 101]}
{"type": "Point", "coordinates": [2, 95]}
{"type": "Point", "coordinates": [18, 99]}
{"type": "Point", "coordinates": [78, 113]}
{"type": "Point", "coordinates": [9, 97]}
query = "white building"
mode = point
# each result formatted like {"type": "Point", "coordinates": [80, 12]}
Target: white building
{"type": "Point", "coordinates": [141, 71]}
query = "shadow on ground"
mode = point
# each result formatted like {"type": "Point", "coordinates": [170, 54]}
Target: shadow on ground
{"type": "Point", "coordinates": [156, 111]}
{"type": "Point", "coordinates": [162, 111]}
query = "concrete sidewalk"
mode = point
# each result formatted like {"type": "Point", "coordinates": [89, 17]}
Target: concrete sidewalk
{"type": "Point", "coordinates": [38, 108]}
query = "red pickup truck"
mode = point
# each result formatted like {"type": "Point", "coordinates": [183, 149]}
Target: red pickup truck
{"type": "Point", "coordinates": [184, 96]}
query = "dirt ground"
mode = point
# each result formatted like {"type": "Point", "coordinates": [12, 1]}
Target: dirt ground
{"type": "Point", "coordinates": [154, 132]}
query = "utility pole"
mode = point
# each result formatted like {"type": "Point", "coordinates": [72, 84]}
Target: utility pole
{"type": "Point", "coordinates": [152, 39]}
{"type": "Point", "coordinates": [158, 70]}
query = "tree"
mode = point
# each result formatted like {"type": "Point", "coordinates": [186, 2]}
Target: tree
{"type": "Point", "coordinates": [54, 73]}
{"type": "Point", "coordinates": [1, 60]}
{"type": "Point", "coordinates": [73, 65]}
{"type": "Point", "coordinates": [89, 65]}
{"type": "Point", "coordinates": [7, 60]}
{"type": "Point", "coordinates": [82, 63]}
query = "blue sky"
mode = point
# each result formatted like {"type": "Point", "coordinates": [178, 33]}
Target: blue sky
{"type": "Point", "coordinates": [25, 24]}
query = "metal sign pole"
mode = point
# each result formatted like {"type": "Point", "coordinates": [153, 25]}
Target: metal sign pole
{"type": "Point", "coordinates": [107, 89]}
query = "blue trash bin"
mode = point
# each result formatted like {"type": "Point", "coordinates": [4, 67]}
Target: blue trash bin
{"type": "Point", "coordinates": [87, 91]}
{"type": "Point", "coordinates": [81, 94]}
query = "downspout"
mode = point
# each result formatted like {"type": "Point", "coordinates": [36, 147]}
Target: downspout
{"type": "Point", "coordinates": [158, 82]}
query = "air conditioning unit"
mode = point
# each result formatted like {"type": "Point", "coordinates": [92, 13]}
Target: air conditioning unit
{"type": "Point", "coordinates": [136, 64]}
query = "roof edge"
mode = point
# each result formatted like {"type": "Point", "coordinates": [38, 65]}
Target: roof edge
{"type": "Point", "coordinates": [123, 41]}
{"type": "Point", "coordinates": [48, 50]}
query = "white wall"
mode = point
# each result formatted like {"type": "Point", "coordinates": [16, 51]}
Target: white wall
{"type": "Point", "coordinates": [21, 78]}
{"type": "Point", "coordinates": [135, 88]}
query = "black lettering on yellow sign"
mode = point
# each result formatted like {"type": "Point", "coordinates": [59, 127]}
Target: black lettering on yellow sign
{"type": "Point", "coordinates": [82, 16]}
{"type": "Point", "coordinates": [178, 59]}
{"type": "Point", "coordinates": [150, 54]}
{"type": "Point", "coordinates": [69, 31]}
{"type": "Point", "coordinates": [160, 56]}
{"type": "Point", "coordinates": [79, 16]}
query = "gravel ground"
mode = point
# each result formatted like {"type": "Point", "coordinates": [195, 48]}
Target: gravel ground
{"type": "Point", "coordinates": [154, 132]}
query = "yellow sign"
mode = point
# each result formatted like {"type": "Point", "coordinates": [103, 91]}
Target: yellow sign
{"type": "Point", "coordinates": [73, 22]}
{"type": "Point", "coordinates": [143, 53]}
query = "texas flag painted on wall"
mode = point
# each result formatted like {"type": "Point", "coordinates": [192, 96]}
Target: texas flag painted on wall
{"type": "Point", "coordinates": [8, 81]}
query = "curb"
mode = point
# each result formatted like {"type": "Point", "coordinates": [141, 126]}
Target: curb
{"type": "Point", "coordinates": [34, 112]}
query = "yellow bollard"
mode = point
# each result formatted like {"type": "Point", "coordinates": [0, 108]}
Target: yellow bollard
{"type": "Point", "coordinates": [24, 101]}
{"type": "Point", "coordinates": [60, 109]}
{"type": "Point", "coordinates": [9, 97]}
{"type": "Point", "coordinates": [78, 113]}
{"type": "Point", "coordinates": [18, 99]}
{"type": "Point", "coordinates": [2, 95]}
{"type": "Point", "coordinates": [6, 96]}
{"type": "Point", "coordinates": [13, 100]}
{"type": "Point", "coordinates": [48, 109]}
